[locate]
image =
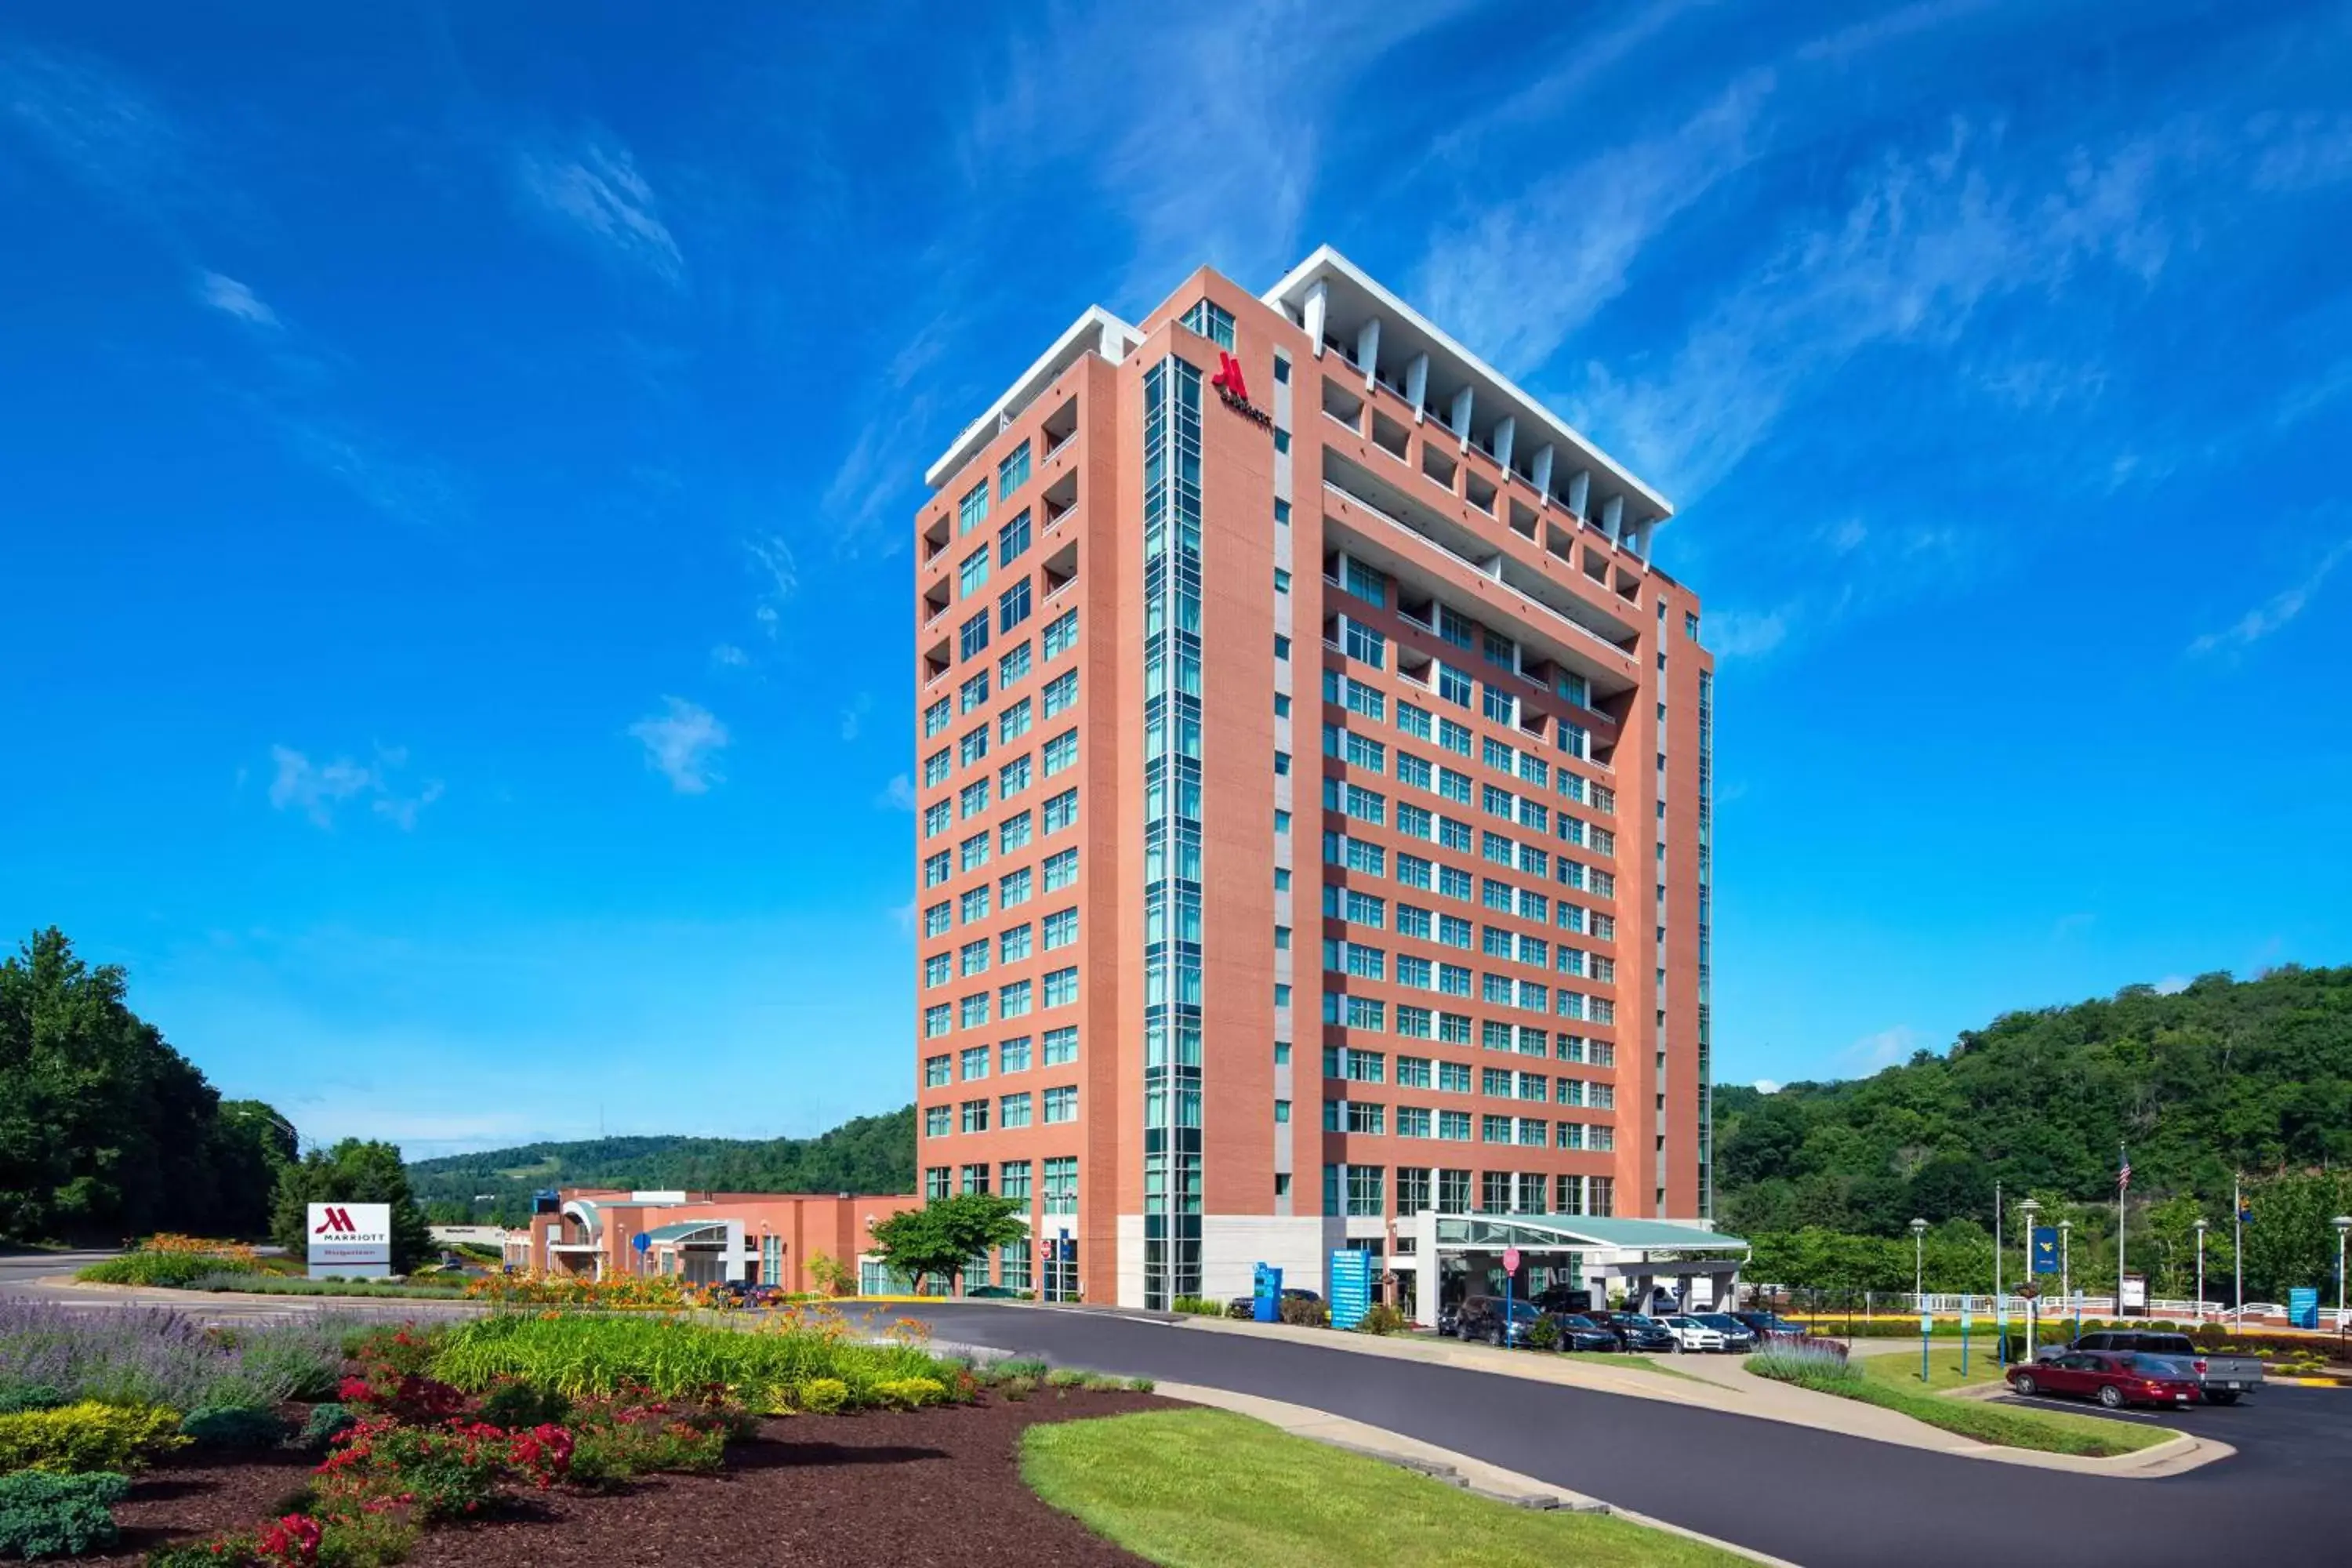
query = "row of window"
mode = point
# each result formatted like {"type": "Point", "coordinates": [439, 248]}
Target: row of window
{"type": "Point", "coordinates": [1371, 1015]}
{"type": "Point", "coordinates": [1362, 907]}
{"type": "Point", "coordinates": [1059, 1104]}
{"type": "Point", "coordinates": [1362, 698]}
{"type": "Point", "coordinates": [1059, 1190]}
{"type": "Point", "coordinates": [1057, 930]}
{"type": "Point", "coordinates": [1370, 911]}
{"type": "Point", "coordinates": [1371, 1120]}
{"type": "Point", "coordinates": [1058, 1047]}
{"type": "Point", "coordinates": [1499, 704]}
{"type": "Point", "coordinates": [1370, 584]}
{"type": "Point", "coordinates": [1361, 1190]}
{"type": "Point", "coordinates": [1061, 753]}
{"type": "Point", "coordinates": [1360, 750]}
{"type": "Point", "coordinates": [1371, 858]}
{"type": "Point", "coordinates": [975, 850]}
{"type": "Point", "coordinates": [1357, 1065]}
{"type": "Point", "coordinates": [1013, 999]}
{"type": "Point", "coordinates": [1013, 888]}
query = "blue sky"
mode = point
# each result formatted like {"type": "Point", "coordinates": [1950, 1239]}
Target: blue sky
{"type": "Point", "coordinates": [447, 449]}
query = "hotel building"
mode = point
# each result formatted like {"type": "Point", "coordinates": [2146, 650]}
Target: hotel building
{"type": "Point", "coordinates": [1312, 812]}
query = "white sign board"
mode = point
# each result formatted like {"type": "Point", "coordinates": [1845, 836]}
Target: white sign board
{"type": "Point", "coordinates": [353, 1240]}
{"type": "Point", "coordinates": [2133, 1297]}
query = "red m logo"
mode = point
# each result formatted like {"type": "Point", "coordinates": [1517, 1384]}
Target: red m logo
{"type": "Point", "coordinates": [337, 1221]}
{"type": "Point", "coordinates": [1228, 378]}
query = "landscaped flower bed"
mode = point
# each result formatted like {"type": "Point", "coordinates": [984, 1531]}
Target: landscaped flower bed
{"type": "Point", "coordinates": [353, 1445]}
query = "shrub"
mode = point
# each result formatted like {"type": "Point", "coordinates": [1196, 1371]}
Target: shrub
{"type": "Point", "coordinates": [234, 1427]}
{"type": "Point", "coordinates": [514, 1404]}
{"type": "Point", "coordinates": [441, 1472]}
{"type": "Point", "coordinates": [171, 1270]}
{"type": "Point", "coordinates": [1140, 1385]}
{"type": "Point", "coordinates": [618, 1437]}
{"type": "Point", "coordinates": [1065, 1377]}
{"type": "Point", "coordinates": [1382, 1318]}
{"type": "Point", "coordinates": [1031, 1367]}
{"type": "Point", "coordinates": [1017, 1389]}
{"type": "Point", "coordinates": [46, 1515]}
{"type": "Point", "coordinates": [366, 1541]}
{"type": "Point", "coordinates": [1543, 1334]}
{"type": "Point", "coordinates": [821, 1396]}
{"type": "Point", "coordinates": [1306, 1314]}
{"type": "Point", "coordinates": [1200, 1306]}
{"type": "Point", "coordinates": [910, 1393]}
{"type": "Point", "coordinates": [323, 1426]}
{"type": "Point", "coordinates": [154, 1356]}
{"type": "Point", "coordinates": [89, 1437]}
{"type": "Point", "coordinates": [1806, 1361]}
{"type": "Point", "coordinates": [21, 1396]}
{"type": "Point", "coordinates": [1243, 1311]}
{"type": "Point", "coordinates": [579, 1356]}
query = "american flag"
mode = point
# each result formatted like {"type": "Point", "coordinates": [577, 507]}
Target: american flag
{"type": "Point", "coordinates": [2123, 1176]}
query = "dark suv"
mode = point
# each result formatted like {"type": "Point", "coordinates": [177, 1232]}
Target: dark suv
{"type": "Point", "coordinates": [1579, 1332]}
{"type": "Point", "coordinates": [1482, 1318]}
{"type": "Point", "coordinates": [1636, 1332]}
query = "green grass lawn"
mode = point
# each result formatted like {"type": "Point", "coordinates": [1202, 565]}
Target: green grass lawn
{"type": "Point", "coordinates": [1943, 1365]}
{"type": "Point", "coordinates": [1627, 1358]}
{"type": "Point", "coordinates": [1206, 1489]}
{"type": "Point", "coordinates": [2010, 1425]}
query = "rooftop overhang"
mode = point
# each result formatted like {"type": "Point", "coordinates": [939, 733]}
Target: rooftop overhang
{"type": "Point", "coordinates": [1556, 1233]}
{"type": "Point", "coordinates": [1352, 297]}
{"type": "Point", "coordinates": [1095, 332]}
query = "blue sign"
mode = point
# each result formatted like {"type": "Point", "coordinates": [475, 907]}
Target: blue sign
{"type": "Point", "coordinates": [2045, 1249]}
{"type": "Point", "coordinates": [1351, 1287]}
{"type": "Point", "coordinates": [2303, 1306]}
{"type": "Point", "coordinates": [1266, 1294]}
{"type": "Point", "coordinates": [642, 1242]}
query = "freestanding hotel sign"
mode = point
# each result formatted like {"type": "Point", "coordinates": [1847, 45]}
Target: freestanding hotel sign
{"type": "Point", "coordinates": [353, 1240]}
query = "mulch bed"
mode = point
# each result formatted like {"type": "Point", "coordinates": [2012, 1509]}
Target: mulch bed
{"type": "Point", "coordinates": [912, 1489]}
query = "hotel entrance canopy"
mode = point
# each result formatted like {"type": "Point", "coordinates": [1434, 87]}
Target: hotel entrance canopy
{"type": "Point", "coordinates": [1580, 1233]}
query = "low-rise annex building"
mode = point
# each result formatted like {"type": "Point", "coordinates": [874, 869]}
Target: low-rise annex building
{"type": "Point", "coordinates": [756, 1238]}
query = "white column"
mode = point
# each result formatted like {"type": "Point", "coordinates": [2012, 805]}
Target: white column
{"type": "Point", "coordinates": [1612, 515]}
{"type": "Point", "coordinates": [1504, 431]}
{"type": "Point", "coordinates": [1459, 422]}
{"type": "Point", "coordinates": [1580, 491]}
{"type": "Point", "coordinates": [1318, 300]}
{"type": "Point", "coordinates": [1541, 469]}
{"type": "Point", "coordinates": [1368, 350]}
{"type": "Point", "coordinates": [1425, 1271]}
{"type": "Point", "coordinates": [1416, 386]}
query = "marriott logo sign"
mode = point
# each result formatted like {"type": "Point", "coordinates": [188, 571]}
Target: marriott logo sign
{"type": "Point", "coordinates": [1233, 388]}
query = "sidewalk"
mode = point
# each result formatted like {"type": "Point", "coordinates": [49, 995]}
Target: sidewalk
{"type": "Point", "coordinates": [1722, 1383]}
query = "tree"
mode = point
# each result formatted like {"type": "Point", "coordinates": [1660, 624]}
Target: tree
{"type": "Point", "coordinates": [829, 1274]}
{"type": "Point", "coordinates": [352, 1172]}
{"type": "Point", "coordinates": [106, 1132]}
{"type": "Point", "coordinates": [944, 1235]}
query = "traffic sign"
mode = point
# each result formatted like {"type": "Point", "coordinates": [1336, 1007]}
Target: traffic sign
{"type": "Point", "coordinates": [1510, 1260]}
{"type": "Point", "coordinates": [642, 1242]}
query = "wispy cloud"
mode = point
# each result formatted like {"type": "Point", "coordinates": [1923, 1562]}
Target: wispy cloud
{"type": "Point", "coordinates": [319, 790]}
{"type": "Point", "coordinates": [853, 715]}
{"type": "Point", "coordinates": [591, 187]}
{"type": "Point", "coordinates": [1746, 633]}
{"type": "Point", "coordinates": [104, 130]}
{"type": "Point", "coordinates": [1518, 280]}
{"type": "Point", "coordinates": [682, 744]}
{"type": "Point", "coordinates": [727, 655]}
{"type": "Point", "coordinates": [231, 297]}
{"type": "Point", "coordinates": [898, 795]}
{"type": "Point", "coordinates": [780, 574]}
{"type": "Point", "coordinates": [1883, 1049]}
{"type": "Point", "coordinates": [2274, 613]}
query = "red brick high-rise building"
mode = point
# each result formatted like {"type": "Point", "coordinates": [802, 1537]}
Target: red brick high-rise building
{"type": "Point", "coordinates": [1312, 808]}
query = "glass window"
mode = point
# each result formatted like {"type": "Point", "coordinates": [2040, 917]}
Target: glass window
{"type": "Point", "coordinates": [1013, 1056]}
{"type": "Point", "coordinates": [1012, 606]}
{"type": "Point", "coordinates": [937, 919]}
{"type": "Point", "coordinates": [1061, 811]}
{"type": "Point", "coordinates": [974, 637]}
{"type": "Point", "coordinates": [1012, 945]}
{"type": "Point", "coordinates": [1061, 870]}
{"type": "Point", "coordinates": [972, 575]}
{"type": "Point", "coordinates": [1013, 1000]}
{"type": "Point", "coordinates": [1014, 722]}
{"type": "Point", "coordinates": [1013, 538]}
{"type": "Point", "coordinates": [1061, 692]}
{"type": "Point", "coordinates": [1062, 1104]}
{"type": "Point", "coordinates": [972, 511]}
{"type": "Point", "coordinates": [1013, 1110]}
{"type": "Point", "coordinates": [1061, 635]}
{"type": "Point", "coordinates": [935, 718]}
{"type": "Point", "coordinates": [1013, 778]}
{"type": "Point", "coordinates": [1061, 1046]}
{"type": "Point", "coordinates": [1014, 666]}
{"type": "Point", "coordinates": [1061, 929]}
{"type": "Point", "coordinates": [1012, 1182]}
{"type": "Point", "coordinates": [1061, 752]}
{"type": "Point", "coordinates": [1062, 987]}
{"type": "Point", "coordinates": [1014, 471]}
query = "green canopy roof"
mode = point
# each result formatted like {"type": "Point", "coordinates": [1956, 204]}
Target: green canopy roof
{"type": "Point", "coordinates": [1554, 1230]}
{"type": "Point", "coordinates": [684, 1230]}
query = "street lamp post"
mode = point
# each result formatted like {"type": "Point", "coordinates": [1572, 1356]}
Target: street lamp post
{"type": "Point", "coordinates": [2200, 1271]}
{"type": "Point", "coordinates": [1920, 1266]}
{"type": "Point", "coordinates": [2026, 1209]}
{"type": "Point", "coordinates": [2343, 1228]}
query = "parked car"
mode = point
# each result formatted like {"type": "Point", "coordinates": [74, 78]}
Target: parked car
{"type": "Point", "coordinates": [1561, 1299]}
{"type": "Point", "coordinates": [1579, 1332]}
{"type": "Point", "coordinates": [1737, 1337]}
{"type": "Point", "coordinates": [1482, 1317]}
{"type": "Point", "coordinates": [2221, 1379]}
{"type": "Point", "coordinates": [2113, 1378]}
{"type": "Point", "coordinates": [1690, 1335]}
{"type": "Point", "coordinates": [1765, 1325]}
{"type": "Point", "coordinates": [992, 1293]}
{"type": "Point", "coordinates": [1636, 1332]}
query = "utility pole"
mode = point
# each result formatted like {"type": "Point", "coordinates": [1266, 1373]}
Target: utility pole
{"type": "Point", "coordinates": [2000, 1314]}
{"type": "Point", "coordinates": [2237, 1251]}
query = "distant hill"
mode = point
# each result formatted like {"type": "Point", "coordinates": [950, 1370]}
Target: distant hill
{"type": "Point", "coordinates": [2225, 1076]}
{"type": "Point", "coordinates": [867, 1154]}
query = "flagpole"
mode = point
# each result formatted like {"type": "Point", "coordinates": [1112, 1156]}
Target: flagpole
{"type": "Point", "coordinates": [2123, 1182]}
{"type": "Point", "coordinates": [2237, 1250]}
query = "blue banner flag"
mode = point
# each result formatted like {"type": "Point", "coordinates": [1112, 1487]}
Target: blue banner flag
{"type": "Point", "coordinates": [2045, 1249]}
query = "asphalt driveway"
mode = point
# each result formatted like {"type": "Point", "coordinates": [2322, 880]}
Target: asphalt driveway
{"type": "Point", "coordinates": [1812, 1496]}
